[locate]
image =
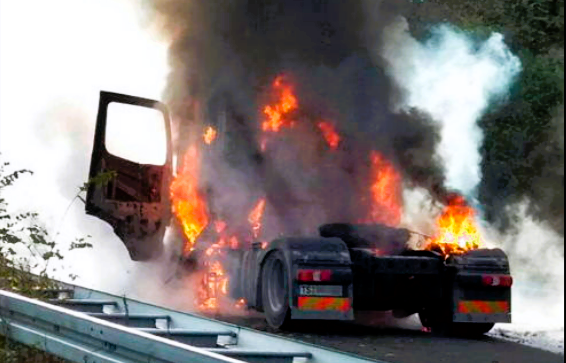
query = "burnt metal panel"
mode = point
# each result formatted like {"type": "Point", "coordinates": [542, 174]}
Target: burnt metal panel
{"type": "Point", "coordinates": [395, 282]}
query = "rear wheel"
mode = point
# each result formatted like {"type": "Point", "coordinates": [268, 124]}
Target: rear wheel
{"type": "Point", "coordinates": [275, 291]}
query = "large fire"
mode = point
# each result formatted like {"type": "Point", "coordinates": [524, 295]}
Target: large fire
{"type": "Point", "coordinates": [190, 208]}
{"type": "Point", "coordinates": [386, 191]}
{"type": "Point", "coordinates": [256, 216]}
{"type": "Point", "coordinates": [279, 114]}
{"type": "Point", "coordinates": [381, 194]}
{"type": "Point", "coordinates": [282, 113]}
{"type": "Point", "coordinates": [188, 204]}
{"type": "Point", "coordinates": [457, 229]}
{"type": "Point", "coordinates": [214, 283]}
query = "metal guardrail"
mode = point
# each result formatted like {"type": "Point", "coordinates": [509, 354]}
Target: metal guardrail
{"type": "Point", "coordinates": [88, 326]}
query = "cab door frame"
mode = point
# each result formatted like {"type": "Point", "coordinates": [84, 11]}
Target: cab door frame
{"type": "Point", "coordinates": [136, 201]}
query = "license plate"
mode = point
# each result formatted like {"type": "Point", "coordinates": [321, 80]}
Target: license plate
{"type": "Point", "coordinates": [316, 290]}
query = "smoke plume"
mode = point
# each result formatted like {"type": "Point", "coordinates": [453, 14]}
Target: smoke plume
{"type": "Point", "coordinates": [537, 263]}
{"type": "Point", "coordinates": [454, 79]}
{"type": "Point", "coordinates": [224, 58]}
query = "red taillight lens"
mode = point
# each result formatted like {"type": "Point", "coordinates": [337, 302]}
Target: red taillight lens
{"type": "Point", "coordinates": [497, 280]}
{"type": "Point", "coordinates": [326, 275]}
{"type": "Point", "coordinates": [488, 280]}
{"type": "Point", "coordinates": [506, 281]}
{"type": "Point", "coordinates": [305, 275]}
{"type": "Point", "coordinates": [314, 275]}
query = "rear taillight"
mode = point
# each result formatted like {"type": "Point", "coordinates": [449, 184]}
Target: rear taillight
{"type": "Point", "coordinates": [488, 280]}
{"type": "Point", "coordinates": [506, 281]}
{"type": "Point", "coordinates": [497, 280]}
{"type": "Point", "coordinates": [305, 275]}
{"type": "Point", "coordinates": [314, 275]}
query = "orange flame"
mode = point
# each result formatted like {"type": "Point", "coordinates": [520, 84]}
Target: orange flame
{"type": "Point", "coordinates": [458, 231]}
{"type": "Point", "coordinates": [234, 243]}
{"type": "Point", "coordinates": [188, 205]}
{"type": "Point", "coordinates": [386, 192]}
{"type": "Point", "coordinates": [255, 217]}
{"type": "Point", "coordinates": [241, 304]}
{"type": "Point", "coordinates": [214, 287]}
{"type": "Point", "coordinates": [278, 114]}
{"type": "Point", "coordinates": [214, 283]}
{"type": "Point", "coordinates": [330, 134]}
{"type": "Point", "coordinates": [220, 226]}
{"type": "Point", "coordinates": [209, 135]}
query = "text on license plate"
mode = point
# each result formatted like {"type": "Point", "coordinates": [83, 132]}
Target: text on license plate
{"type": "Point", "coordinates": [316, 290]}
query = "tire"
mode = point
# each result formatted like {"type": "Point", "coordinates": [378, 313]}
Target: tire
{"type": "Point", "coordinates": [275, 291]}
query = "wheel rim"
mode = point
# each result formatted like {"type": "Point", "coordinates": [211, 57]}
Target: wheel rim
{"type": "Point", "coordinates": [276, 286]}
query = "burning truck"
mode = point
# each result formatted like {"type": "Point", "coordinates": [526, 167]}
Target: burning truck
{"type": "Point", "coordinates": [269, 246]}
{"type": "Point", "coordinates": [284, 164]}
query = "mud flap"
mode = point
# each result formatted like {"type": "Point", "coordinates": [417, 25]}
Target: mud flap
{"type": "Point", "coordinates": [472, 300]}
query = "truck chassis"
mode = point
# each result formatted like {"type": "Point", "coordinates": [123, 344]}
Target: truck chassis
{"type": "Point", "coordinates": [325, 278]}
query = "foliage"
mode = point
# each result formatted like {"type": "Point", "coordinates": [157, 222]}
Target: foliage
{"type": "Point", "coordinates": [25, 246]}
{"type": "Point", "coordinates": [536, 25]}
{"type": "Point", "coordinates": [11, 352]}
{"type": "Point", "coordinates": [26, 254]}
{"type": "Point", "coordinates": [522, 157]}
{"type": "Point", "coordinates": [101, 179]}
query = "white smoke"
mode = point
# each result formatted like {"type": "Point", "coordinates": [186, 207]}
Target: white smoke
{"type": "Point", "coordinates": [55, 58]}
{"type": "Point", "coordinates": [538, 267]}
{"type": "Point", "coordinates": [454, 79]}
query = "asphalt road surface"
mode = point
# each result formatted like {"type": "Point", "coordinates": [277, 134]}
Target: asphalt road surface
{"type": "Point", "coordinates": [382, 338]}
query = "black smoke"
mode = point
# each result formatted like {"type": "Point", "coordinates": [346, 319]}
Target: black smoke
{"type": "Point", "coordinates": [224, 56]}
